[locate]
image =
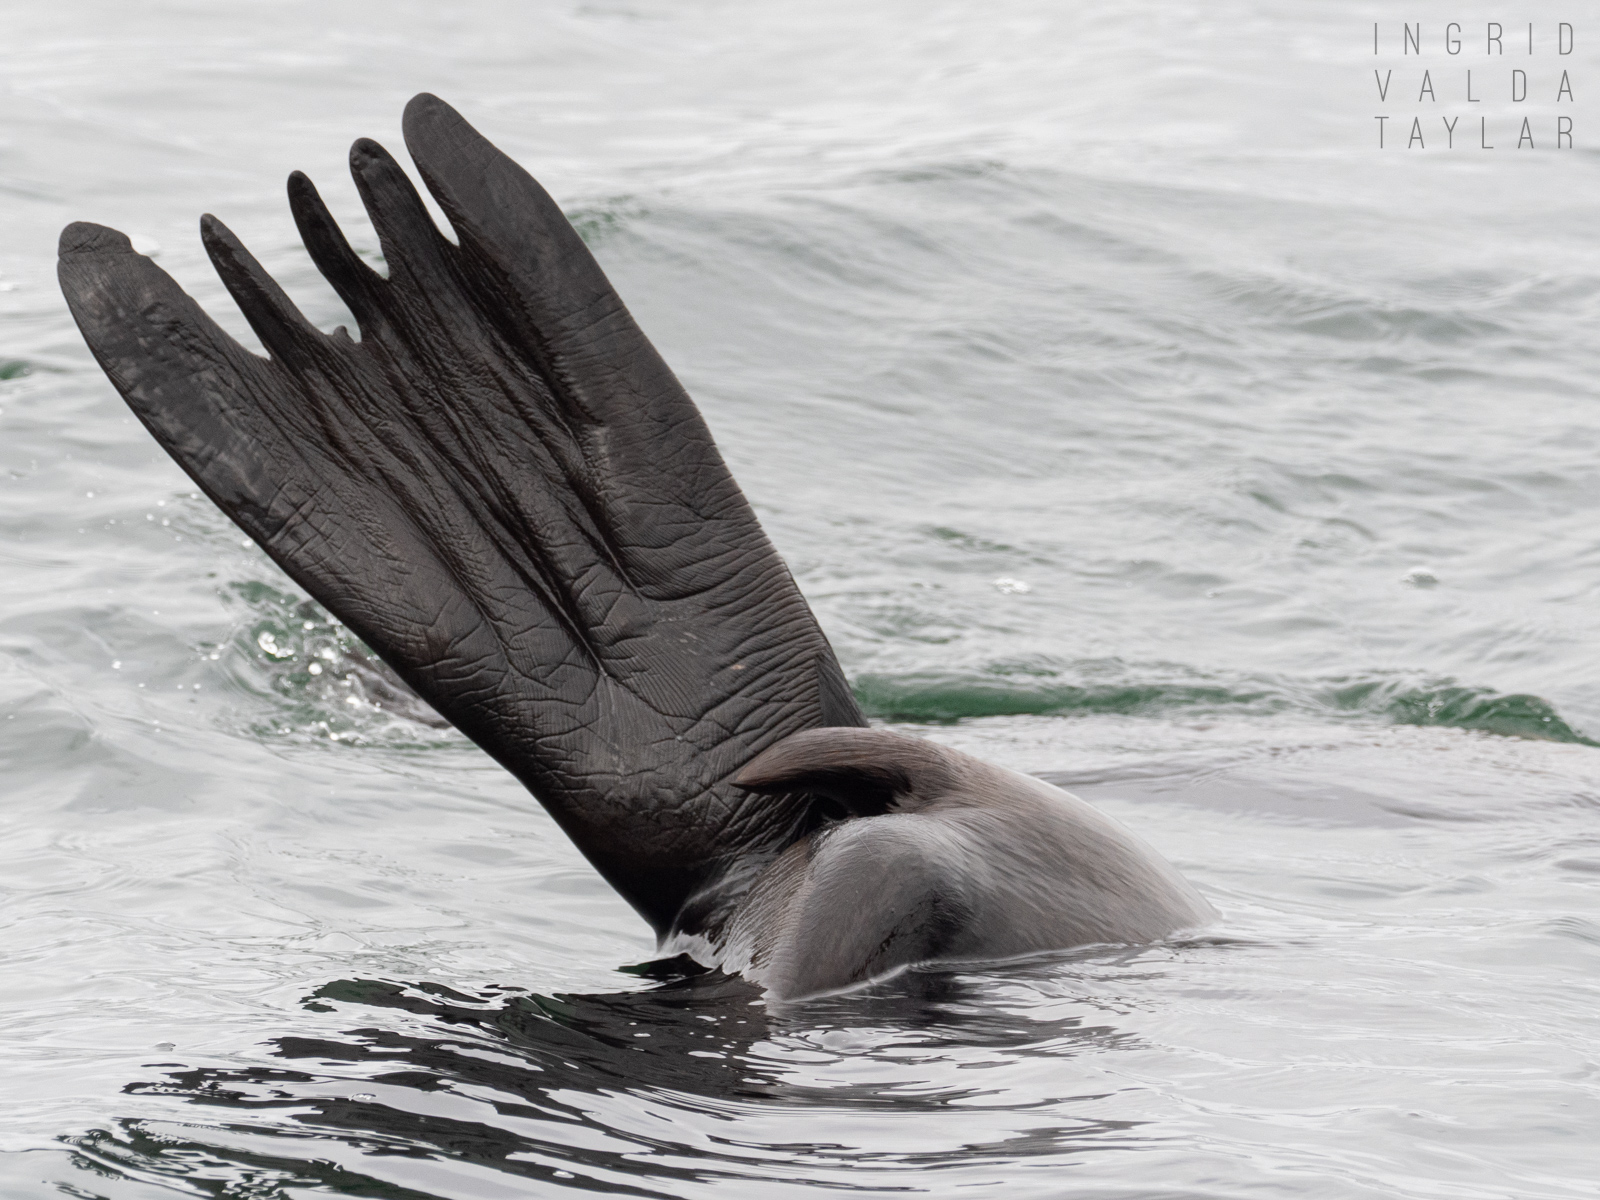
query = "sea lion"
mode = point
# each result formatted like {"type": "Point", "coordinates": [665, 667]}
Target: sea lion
{"type": "Point", "coordinates": [503, 490]}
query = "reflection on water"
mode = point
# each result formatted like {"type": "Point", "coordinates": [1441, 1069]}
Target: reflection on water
{"type": "Point", "coordinates": [550, 1088]}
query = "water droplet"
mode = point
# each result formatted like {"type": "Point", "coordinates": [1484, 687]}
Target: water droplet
{"type": "Point", "coordinates": [269, 643]}
{"type": "Point", "coordinates": [1012, 587]}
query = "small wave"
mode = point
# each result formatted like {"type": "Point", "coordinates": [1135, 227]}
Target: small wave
{"type": "Point", "coordinates": [937, 697]}
{"type": "Point", "coordinates": [603, 220]}
{"type": "Point", "coordinates": [1005, 690]}
{"type": "Point", "coordinates": [1445, 703]}
{"type": "Point", "coordinates": [325, 680]}
{"type": "Point", "coordinates": [1368, 322]}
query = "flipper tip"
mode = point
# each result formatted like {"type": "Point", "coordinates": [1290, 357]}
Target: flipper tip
{"type": "Point", "coordinates": [84, 239]}
{"type": "Point", "coordinates": [424, 109]}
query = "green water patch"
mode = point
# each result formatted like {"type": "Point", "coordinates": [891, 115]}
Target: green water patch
{"type": "Point", "coordinates": [937, 697]}
{"type": "Point", "coordinates": [599, 223]}
{"type": "Point", "coordinates": [1005, 690]}
{"type": "Point", "coordinates": [14, 368]}
{"type": "Point", "coordinates": [1450, 704]}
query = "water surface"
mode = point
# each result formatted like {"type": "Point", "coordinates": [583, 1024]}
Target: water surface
{"type": "Point", "coordinates": [1127, 416]}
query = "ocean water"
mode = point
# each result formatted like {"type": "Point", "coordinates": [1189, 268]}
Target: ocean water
{"type": "Point", "coordinates": [1127, 414]}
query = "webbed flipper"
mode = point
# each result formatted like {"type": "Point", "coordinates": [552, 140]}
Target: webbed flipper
{"type": "Point", "coordinates": [505, 492]}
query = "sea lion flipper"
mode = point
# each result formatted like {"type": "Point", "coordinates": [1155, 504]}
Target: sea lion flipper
{"type": "Point", "coordinates": [669, 486]}
{"type": "Point", "coordinates": [505, 492]}
{"type": "Point", "coordinates": [556, 295]}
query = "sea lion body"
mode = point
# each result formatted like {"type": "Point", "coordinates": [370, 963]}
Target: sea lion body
{"type": "Point", "coordinates": [964, 860]}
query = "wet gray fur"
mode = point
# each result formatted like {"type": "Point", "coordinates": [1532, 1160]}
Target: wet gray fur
{"type": "Point", "coordinates": [943, 857]}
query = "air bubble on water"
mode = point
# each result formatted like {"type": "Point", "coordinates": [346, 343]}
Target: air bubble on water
{"type": "Point", "coordinates": [1012, 587]}
{"type": "Point", "coordinates": [166, 1046]}
{"type": "Point", "coordinates": [117, 666]}
{"type": "Point", "coordinates": [364, 1097]}
{"type": "Point", "coordinates": [315, 668]}
{"type": "Point", "coordinates": [308, 625]}
{"type": "Point", "coordinates": [1420, 577]}
{"type": "Point", "coordinates": [245, 544]}
{"type": "Point", "coordinates": [269, 643]}
{"type": "Point", "coordinates": [327, 653]}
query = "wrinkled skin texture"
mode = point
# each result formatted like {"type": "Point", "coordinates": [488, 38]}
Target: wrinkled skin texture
{"type": "Point", "coordinates": [505, 492]}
